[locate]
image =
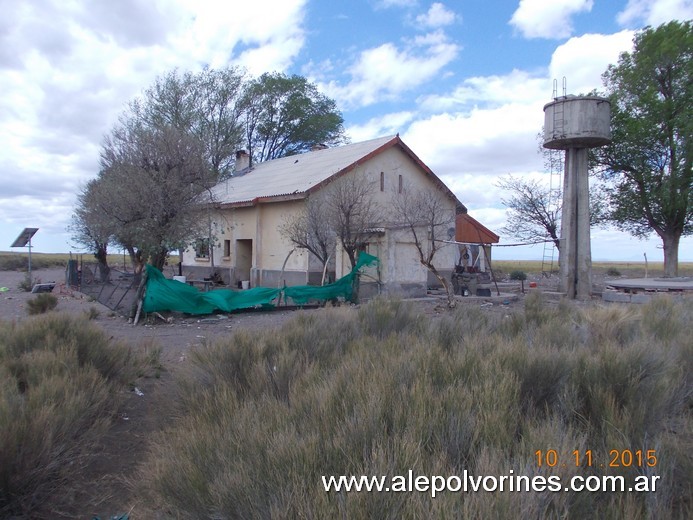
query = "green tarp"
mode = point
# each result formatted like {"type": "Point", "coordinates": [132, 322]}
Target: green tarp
{"type": "Point", "coordinates": [162, 294]}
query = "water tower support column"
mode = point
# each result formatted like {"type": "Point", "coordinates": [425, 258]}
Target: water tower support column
{"type": "Point", "coordinates": [576, 256]}
{"type": "Point", "coordinates": [576, 124]}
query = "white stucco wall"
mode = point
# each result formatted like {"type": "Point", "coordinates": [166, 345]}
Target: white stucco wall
{"type": "Point", "coordinates": [399, 259]}
{"type": "Point", "coordinates": [400, 263]}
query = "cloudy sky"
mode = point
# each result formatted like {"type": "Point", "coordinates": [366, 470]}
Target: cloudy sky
{"type": "Point", "coordinates": [464, 82]}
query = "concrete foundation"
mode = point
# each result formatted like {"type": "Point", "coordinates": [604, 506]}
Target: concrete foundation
{"type": "Point", "coordinates": [642, 290]}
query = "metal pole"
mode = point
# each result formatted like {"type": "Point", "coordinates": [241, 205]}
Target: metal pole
{"type": "Point", "coordinates": [30, 278]}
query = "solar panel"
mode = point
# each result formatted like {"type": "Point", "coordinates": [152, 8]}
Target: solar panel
{"type": "Point", "coordinates": [24, 237]}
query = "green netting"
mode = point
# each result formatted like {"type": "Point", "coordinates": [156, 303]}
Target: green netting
{"type": "Point", "coordinates": [162, 294]}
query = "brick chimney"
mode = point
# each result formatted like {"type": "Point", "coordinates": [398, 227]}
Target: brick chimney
{"type": "Point", "coordinates": [242, 164]}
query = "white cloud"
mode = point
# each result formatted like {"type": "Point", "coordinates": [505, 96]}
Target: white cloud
{"type": "Point", "coordinates": [386, 71]}
{"type": "Point", "coordinates": [385, 4]}
{"type": "Point", "coordinates": [582, 60]}
{"type": "Point", "coordinates": [481, 141]}
{"type": "Point", "coordinates": [487, 126]}
{"type": "Point", "coordinates": [219, 30]}
{"type": "Point", "coordinates": [67, 70]}
{"type": "Point", "coordinates": [516, 87]}
{"type": "Point", "coordinates": [436, 16]}
{"type": "Point", "coordinates": [389, 124]}
{"type": "Point", "coordinates": [655, 12]}
{"type": "Point", "coordinates": [547, 19]}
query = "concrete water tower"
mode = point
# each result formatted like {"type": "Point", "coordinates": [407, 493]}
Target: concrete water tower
{"type": "Point", "coordinates": [574, 124]}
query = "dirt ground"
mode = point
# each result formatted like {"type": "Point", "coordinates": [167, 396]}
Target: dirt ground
{"type": "Point", "coordinates": [183, 332]}
{"type": "Point", "coordinates": [104, 485]}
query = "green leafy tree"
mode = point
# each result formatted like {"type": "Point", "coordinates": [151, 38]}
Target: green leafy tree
{"type": "Point", "coordinates": [151, 186]}
{"type": "Point", "coordinates": [179, 138]}
{"type": "Point", "coordinates": [648, 165]}
{"type": "Point", "coordinates": [286, 115]}
{"type": "Point", "coordinates": [206, 105]}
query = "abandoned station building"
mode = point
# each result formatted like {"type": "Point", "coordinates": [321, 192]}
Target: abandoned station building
{"type": "Point", "coordinates": [246, 243]}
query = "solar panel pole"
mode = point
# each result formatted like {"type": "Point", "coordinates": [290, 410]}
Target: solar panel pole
{"type": "Point", "coordinates": [23, 240]}
{"type": "Point", "coordinates": [31, 280]}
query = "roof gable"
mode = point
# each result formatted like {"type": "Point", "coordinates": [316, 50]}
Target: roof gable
{"type": "Point", "coordinates": [296, 176]}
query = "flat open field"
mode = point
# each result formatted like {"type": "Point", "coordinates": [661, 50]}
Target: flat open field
{"type": "Point", "coordinates": [627, 269]}
{"type": "Point", "coordinates": [17, 260]}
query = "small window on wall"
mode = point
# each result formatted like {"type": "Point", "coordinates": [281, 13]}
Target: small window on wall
{"type": "Point", "coordinates": [363, 247]}
{"type": "Point", "coordinates": [202, 248]}
{"type": "Point", "coordinates": [227, 248]}
{"type": "Point", "coordinates": [400, 185]}
{"type": "Point", "coordinates": [382, 181]}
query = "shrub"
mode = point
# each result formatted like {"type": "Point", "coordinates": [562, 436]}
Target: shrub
{"type": "Point", "coordinates": [518, 275]}
{"type": "Point", "coordinates": [41, 303]}
{"type": "Point", "coordinates": [612, 271]}
{"type": "Point", "coordinates": [26, 284]}
{"type": "Point", "coordinates": [264, 416]}
{"type": "Point", "coordinates": [383, 316]}
{"type": "Point", "coordinates": [521, 276]}
{"type": "Point", "coordinates": [59, 382]}
{"type": "Point", "coordinates": [92, 314]}
{"type": "Point", "coordinates": [536, 311]}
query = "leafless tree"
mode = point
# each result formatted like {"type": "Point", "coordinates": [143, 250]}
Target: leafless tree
{"type": "Point", "coordinates": [352, 213]}
{"type": "Point", "coordinates": [533, 214]}
{"type": "Point", "coordinates": [535, 210]}
{"type": "Point", "coordinates": [428, 218]}
{"type": "Point", "coordinates": [312, 230]}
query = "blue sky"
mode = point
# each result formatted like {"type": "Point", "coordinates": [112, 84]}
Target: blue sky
{"type": "Point", "coordinates": [463, 82]}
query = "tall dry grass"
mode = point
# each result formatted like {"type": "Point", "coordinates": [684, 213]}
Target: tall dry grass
{"type": "Point", "coordinates": [381, 390]}
{"type": "Point", "coordinates": [60, 381]}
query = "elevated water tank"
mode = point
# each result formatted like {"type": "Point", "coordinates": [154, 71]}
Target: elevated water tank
{"type": "Point", "coordinates": [577, 122]}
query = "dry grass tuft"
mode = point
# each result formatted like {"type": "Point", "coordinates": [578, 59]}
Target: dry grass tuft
{"type": "Point", "coordinates": [59, 382]}
{"type": "Point", "coordinates": [41, 303]}
{"type": "Point", "coordinates": [381, 392]}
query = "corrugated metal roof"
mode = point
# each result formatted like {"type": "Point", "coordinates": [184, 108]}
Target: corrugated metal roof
{"type": "Point", "coordinates": [293, 175]}
{"type": "Point", "coordinates": [470, 230]}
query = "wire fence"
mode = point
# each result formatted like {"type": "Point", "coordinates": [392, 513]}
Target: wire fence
{"type": "Point", "coordinates": [113, 287]}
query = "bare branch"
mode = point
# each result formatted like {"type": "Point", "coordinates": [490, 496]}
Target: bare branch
{"type": "Point", "coordinates": [311, 230]}
{"type": "Point", "coordinates": [352, 212]}
{"type": "Point", "coordinates": [428, 218]}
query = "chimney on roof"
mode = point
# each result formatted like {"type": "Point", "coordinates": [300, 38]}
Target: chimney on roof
{"type": "Point", "coordinates": [318, 146]}
{"type": "Point", "coordinates": [242, 164]}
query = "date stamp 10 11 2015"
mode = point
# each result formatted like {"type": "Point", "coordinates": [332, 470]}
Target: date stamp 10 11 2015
{"type": "Point", "coordinates": [624, 458]}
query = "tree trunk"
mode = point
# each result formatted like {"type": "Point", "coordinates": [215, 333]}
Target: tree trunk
{"type": "Point", "coordinates": [135, 259]}
{"type": "Point", "coordinates": [101, 256]}
{"type": "Point", "coordinates": [449, 291]}
{"type": "Point", "coordinates": [158, 259]}
{"type": "Point", "coordinates": [671, 254]}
